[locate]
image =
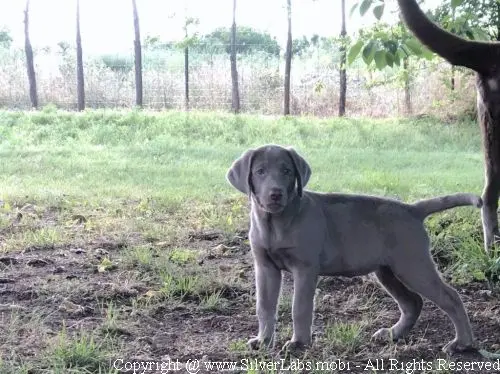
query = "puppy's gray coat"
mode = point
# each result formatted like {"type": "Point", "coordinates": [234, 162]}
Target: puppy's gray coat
{"type": "Point", "coordinates": [311, 234]}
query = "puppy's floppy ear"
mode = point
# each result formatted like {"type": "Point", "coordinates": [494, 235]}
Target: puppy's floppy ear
{"type": "Point", "coordinates": [239, 173]}
{"type": "Point", "coordinates": [302, 170]}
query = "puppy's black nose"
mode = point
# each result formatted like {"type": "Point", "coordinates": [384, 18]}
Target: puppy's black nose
{"type": "Point", "coordinates": [276, 195]}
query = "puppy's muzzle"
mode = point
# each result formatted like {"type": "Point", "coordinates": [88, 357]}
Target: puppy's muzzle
{"type": "Point", "coordinates": [275, 200]}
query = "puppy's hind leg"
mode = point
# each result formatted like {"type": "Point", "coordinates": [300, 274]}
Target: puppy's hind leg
{"type": "Point", "coordinates": [410, 305]}
{"type": "Point", "coordinates": [418, 272]}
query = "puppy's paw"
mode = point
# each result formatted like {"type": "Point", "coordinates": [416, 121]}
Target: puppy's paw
{"type": "Point", "coordinates": [258, 343]}
{"type": "Point", "coordinates": [294, 348]}
{"type": "Point", "coordinates": [455, 346]}
{"type": "Point", "coordinates": [384, 335]}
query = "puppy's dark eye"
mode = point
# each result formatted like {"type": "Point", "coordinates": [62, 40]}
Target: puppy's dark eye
{"type": "Point", "coordinates": [260, 171]}
{"type": "Point", "coordinates": [287, 171]}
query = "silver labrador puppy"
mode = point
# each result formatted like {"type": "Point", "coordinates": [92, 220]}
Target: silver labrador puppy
{"type": "Point", "coordinates": [311, 234]}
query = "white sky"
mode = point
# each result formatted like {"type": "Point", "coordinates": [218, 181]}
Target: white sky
{"type": "Point", "coordinates": [107, 25]}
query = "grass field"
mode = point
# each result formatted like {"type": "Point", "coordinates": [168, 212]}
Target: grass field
{"type": "Point", "coordinates": [121, 239]}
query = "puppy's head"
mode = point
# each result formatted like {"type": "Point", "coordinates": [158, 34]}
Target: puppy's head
{"type": "Point", "coordinates": [271, 174]}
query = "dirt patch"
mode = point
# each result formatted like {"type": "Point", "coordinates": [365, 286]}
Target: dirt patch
{"type": "Point", "coordinates": [44, 292]}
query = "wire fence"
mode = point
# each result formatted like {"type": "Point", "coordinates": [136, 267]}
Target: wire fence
{"type": "Point", "coordinates": [109, 83]}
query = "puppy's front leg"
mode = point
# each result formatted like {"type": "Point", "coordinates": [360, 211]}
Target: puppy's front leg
{"type": "Point", "coordinates": [268, 284]}
{"type": "Point", "coordinates": [304, 286]}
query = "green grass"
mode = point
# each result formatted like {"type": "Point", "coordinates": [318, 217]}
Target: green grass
{"type": "Point", "coordinates": [169, 157]}
{"type": "Point", "coordinates": [345, 337]}
{"type": "Point", "coordinates": [181, 256]}
{"type": "Point", "coordinates": [179, 286]}
{"type": "Point", "coordinates": [213, 301]}
{"type": "Point", "coordinates": [79, 354]}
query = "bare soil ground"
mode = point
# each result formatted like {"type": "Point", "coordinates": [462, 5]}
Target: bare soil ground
{"type": "Point", "coordinates": [60, 302]}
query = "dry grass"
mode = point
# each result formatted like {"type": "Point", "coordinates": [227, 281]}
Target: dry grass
{"type": "Point", "coordinates": [315, 86]}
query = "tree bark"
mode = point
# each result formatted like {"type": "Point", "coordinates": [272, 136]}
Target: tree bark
{"type": "Point", "coordinates": [235, 97]}
{"type": "Point", "coordinates": [80, 82]}
{"type": "Point", "coordinates": [288, 61]}
{"type": "Point", "coordinates": [408, 108]}
{"type": "Point", "coordinates": [343, 65]}
{"type": "Point", "coordinates": [137, 57]}
{"type": "Point", "coordinates": [29, 59]}
{"type": "Point", "coordinates": [498, 21]}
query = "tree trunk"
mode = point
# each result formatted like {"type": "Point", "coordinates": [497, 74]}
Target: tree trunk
{"type": "Point", "coordinates": [186, 77]}
{"type": "Point", "coordinates": [288, 61]}
{"type": "Point", "coordinates": [498, 21]}
{"type": "Point", "coordinates": [137, 57]}
{"type": "Point", "coordinates": [408, 108]}
{"type": "Point", "coordinates": [80, 82]}
{"type": "Point", "coordinates": [29, 58]}
{"type": "Point", "coordinates": [343, 63]}
{"type": "Point", "coordinates": [235, 97]}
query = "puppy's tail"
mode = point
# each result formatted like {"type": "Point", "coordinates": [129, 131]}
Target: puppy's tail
{"type": "Point", "coordinates": [423, 208]}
